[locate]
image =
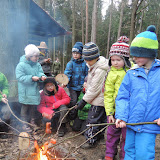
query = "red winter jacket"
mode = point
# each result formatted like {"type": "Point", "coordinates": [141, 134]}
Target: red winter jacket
{"type": "Point", "coordinates": [47, 102]}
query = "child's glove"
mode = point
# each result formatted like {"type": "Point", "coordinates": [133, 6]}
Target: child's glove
{"type": "Point", "coordinates": [81, 104]}
{"type": "Point", "coordinates": [73, 114]}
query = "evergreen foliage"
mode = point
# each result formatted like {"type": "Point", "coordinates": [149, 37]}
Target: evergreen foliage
{"type": "Point", "coordinates": [63, 15]}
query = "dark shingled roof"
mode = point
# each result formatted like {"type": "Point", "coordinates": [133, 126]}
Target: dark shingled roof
{"type": "Point", "coordinates": [42, 24]}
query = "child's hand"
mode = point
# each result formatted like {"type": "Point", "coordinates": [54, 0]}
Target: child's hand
{"type": "Point", "coordinates": [49, 60]}
{"type": "Point", "coordinates": [48, 116]}
{"type": "Point", "coordinates": [35, 78]}
{"type": "Point", "coordinates": [158, 121]}
{"type": "Point", "coordinates": [43, 78]}
{"type": "Point", "coordinates": [63, 86]}
{"type": "Point", "coordinates": [4, 100]}
{"type": "Point", "coordinates": [4, 96]}
{"type": "Point", "coordinates": [111, 119]}
{"type": "Point", "coordinates": [120, 123]}
{"type": "Point", "coordinates": [45, 60]}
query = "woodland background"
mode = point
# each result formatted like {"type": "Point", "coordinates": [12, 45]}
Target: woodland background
{"type": "Point", "coordinates": [85, 20]}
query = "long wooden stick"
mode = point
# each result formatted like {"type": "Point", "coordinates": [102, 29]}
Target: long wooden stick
{"type": "Point", "coordinates": [131, 124]}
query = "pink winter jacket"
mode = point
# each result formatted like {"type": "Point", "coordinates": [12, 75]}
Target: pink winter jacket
{"type": "Point", "coordinates": [47, 102]}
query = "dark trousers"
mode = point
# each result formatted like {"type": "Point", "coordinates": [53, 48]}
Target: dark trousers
{"type": "Point", "coordinates": [96, 115]}
{"type": "Point", "coordinates": [58, 117]}
{"type": "Point", "coordinates": [74, 97]}
{"type": "Point", "coordinates": [5, 115]}
{"type": "Point", "coordinates": [79, 125]}
{"type": "Point", "coordinates": [29, 112]}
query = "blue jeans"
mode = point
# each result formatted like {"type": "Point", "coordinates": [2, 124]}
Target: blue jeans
{"type": "Point", "coordinates": [139, 146]}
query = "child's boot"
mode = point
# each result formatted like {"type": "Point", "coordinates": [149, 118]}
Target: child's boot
{"type": "Point", "coordinates": [108, 158]}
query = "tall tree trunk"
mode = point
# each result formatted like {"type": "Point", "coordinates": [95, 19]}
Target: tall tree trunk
{"type": "Point", "coordinates": [94, 22]}
{"type": "Point", "coordinates": [42, 3]}
{"type": "Point", "coordinates": [86, 40]}
{"type": "Point", "coordinates": [157, 28]}
{"type": "Point", "coordinates": [135, 5]}
{"type": "Point", "coordinates": [73, 23]}
{"type": "Point", "coordinates": [109, 30]}
{"type": "Point", "coordinates": [133, 19]}
{"type": "Point", "coordinates": [120, 20]}
{"type": "Point", "coordinates": [141, 23]}
{"type": "Point", "coordinates": [82, 22]}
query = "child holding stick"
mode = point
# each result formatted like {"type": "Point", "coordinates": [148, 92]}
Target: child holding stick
{"type": "Point", "coordinates": [138, 98]}
{"type": "Point", "coordinates": [119, 62]}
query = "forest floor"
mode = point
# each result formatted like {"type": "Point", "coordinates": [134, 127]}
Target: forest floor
{"type": "Point", "coordinates": [66, 147]}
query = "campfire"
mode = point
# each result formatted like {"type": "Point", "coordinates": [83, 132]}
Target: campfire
{"type": "Point", "coordinates": [44, 151]}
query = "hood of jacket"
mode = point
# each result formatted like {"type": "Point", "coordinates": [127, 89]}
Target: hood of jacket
{"type": "Point", "coordinates": [23, 59]}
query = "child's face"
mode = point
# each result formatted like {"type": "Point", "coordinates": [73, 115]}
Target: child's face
{"type": "Point", "coordinates": [50, 87]}
{"type": "Point", "coordinates": [117, 62]}
{"type": "Point", "coordinates": [142, 61]}
{"type": "Point", "coordinates": [76, 55]}
{"type": "Point", "coordinates": [92, 62]}
{"type": "Point", "coordinates": [34, 58]}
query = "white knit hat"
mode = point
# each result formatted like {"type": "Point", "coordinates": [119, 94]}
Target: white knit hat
{"type": "Point", "coordinates": [31, 50]}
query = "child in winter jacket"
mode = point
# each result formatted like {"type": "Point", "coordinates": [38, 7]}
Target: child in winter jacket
{"type": "Point", "coordinates": [138, 98]}
{"type": "Point", "coordinates": [76, 71]}
{"type": "Point", "coordinates": [54, 98]}
{"type": "Point", "coordinates": [4, 110]}
{"type": "Point", "coordinates": [28, 73]}
{"type": "Point", "coordinates": [119, 62]}
{"type": "Point", "coordinates": [94, 95]}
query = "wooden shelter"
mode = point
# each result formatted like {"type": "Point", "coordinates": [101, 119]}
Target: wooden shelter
{"type": "Point", "coordinates": [23, 22]}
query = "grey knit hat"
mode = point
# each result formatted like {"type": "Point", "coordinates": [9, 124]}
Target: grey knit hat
{"type": "Point", "coordinates": [90, 51]}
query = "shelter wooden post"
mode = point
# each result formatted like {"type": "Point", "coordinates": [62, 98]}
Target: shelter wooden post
{"type": "Point", "coordinates": [63, 53]}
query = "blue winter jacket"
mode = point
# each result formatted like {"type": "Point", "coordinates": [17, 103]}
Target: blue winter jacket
{"type": "Point", "coordinates": [28, 90]}
{"type": "Point", "coordinates": [138, 98]}
{"type": "Point", "coordinates": [76, 71]}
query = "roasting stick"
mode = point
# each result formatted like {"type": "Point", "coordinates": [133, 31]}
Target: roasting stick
{"type": "Point", "coordinates": [15, 115]}
{"type": "Point", "coordinates": [106, 125]}
{"type": "Point", "coordinates": [131, 124]}
{"type": "Point", "coordinates": [86, 141]}
{"type": "Point", "coordinates": [64, 117]}
{"type": "Point", "coordinates": [9, 125]}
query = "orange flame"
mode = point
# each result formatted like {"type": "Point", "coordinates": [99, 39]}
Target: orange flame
{"type": "Point", "coordinates": [41, 156]}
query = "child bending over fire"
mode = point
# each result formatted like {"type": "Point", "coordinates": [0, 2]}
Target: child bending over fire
{"type": "Point", "coordinates": [54, 98]}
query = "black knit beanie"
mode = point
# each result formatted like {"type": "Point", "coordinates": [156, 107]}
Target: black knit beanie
{"type": "Point", "coordinates": [50, 80]}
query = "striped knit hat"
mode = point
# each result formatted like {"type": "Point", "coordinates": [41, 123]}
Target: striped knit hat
{"type": "Point", "coordinates": [90, 51]}
{"type": "Point", "coordinates": [145, 44]}
{"type": "Point", "coordinates": [78, 47]}
{"type": "Point", "coordinates": [120, 48]}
